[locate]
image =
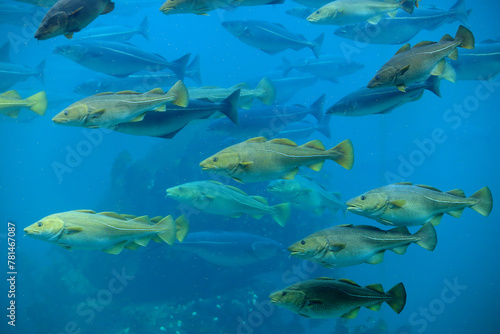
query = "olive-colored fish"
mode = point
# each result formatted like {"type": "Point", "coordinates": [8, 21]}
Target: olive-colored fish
{"type": "Point", "coordinates": [329, 298]}
{"type": "Point", "coordinates": [405, 204]}
{"type": "Point", "coordinates": [423, 60]}
{"type": "Point", "coordinates": [106, 110]}
{"type": "Point", "coordinates": [69, 16]}
{"type": "Point", "coordinates": [219, 199]}
{"type": "Point", "coordinates": [201, 7]}
{"type": "Point", "coordinates": [11, 103]}
{"type": "Point", "coordinates": [109, 232]}
{"type": "Point", "coordinates": [258, 160]}
{"type": "Point", "coordinates": [348, 245]}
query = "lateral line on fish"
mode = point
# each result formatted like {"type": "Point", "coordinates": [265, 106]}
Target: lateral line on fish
{"type": "Point", "coordinates": [293, 156]}
{"type": "Point", "coordinates": [131, 55]}
{"type": "Point", "coordinates": [383, 239]}
{"type": "Point", "coordinates": [440, 201]}
{"type": "Point", "coordinates": [129, 229]}
{"type": "Point", "coordinates": [363, 296]}
{"type": "Point", "coordinates": [287, 38]}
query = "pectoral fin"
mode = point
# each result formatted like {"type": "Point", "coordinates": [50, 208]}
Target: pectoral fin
{"type": "Point", "coordinates": [73, 230]}
{"type": "Point", "coordinates": [401, 87]}
{"type": "Point", "coordinates": [397, 204]}
{"type": "Point", "coordinates": [337, 247]}
{"type": "Point", "coordinates": [97, 113]}
{"type": "Point", "coordinates": [245, 163]}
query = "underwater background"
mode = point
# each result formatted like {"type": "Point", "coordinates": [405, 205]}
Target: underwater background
{"type": "Point", "coordinates": [172, 291]}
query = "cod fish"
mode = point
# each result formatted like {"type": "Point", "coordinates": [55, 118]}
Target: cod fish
{"type": "Point", "coordinates": [11, 73]}
{"type": "Point", "coordinates": [326, 67]}
{"type": "Point", "coordinates": [219, 199]}
{"type": "Point", "coordinates": [271, 37]}
{"type": "Point", "coordinates": [117, 33]}
{"type": "Point", "coordinates": [305, 194]}
{"type": "Point", "coordinates": [482, 63]}
{"type": "Point", "coordinates": [423, 60]}
{"type": "Point", "coordinates": [69, 16]}
{"type": "Point", "coordinates": [405, 204]}
{"type": "Point", "coordinates": [325, 297]}
{"type": "Point", "coordinates": [201, 7]}
{"type": "Point", "coordinates": [106, 231]}
{"type": "Point", "coordinates": [106, 110]}
{"type": "Point", "coordinates": [348, 245]}
{"type": "Point", "coordinates": [11, 103]}
{"type": "Point", "coordinates": [258, 160]}
{"type": "Point", "coordinates": [342, 12]}
{"type": "Point", "coordinates": [168, 124]}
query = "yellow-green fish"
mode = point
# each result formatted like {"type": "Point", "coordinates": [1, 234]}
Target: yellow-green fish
{"type": "Point", "coordinates": [405, 204]}
{"type": "Point", "coordinates": [11, 103]}
{"type": "Point", "coordinates": [258, 160]}
{"type": "Point", "coordinates": [199, 7]}
{"type": "Point", "coordinates": [106, 231]}
{"type": "Point", "coordinates": [107, 110]}
{"type": "Point", "coordinates": [348, 245]}
{"type": "Point", "coordinates": [329, 298]}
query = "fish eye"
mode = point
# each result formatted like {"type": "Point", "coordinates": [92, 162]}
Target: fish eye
{"type": "Point", "coordinates": [283, 293]}
{"type": "Point", "coordinates": [317, 12]}
{"type": "Point", "coordinates": [215, 159]}
{"type": "Point", "coordinates": [363, 197]}
{"type": "Point", "coordinates": [377, 77]}
{"type": "Point", "coordinates": [40, 224]}
{"type": "Point", "coordinates": [65, 113]}
{"type": "Point", "coordinates": [303, 242]}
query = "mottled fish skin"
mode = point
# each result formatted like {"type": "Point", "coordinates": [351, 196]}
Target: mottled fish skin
{"type": "Point", "coordinates": [324, 298]}
{"type": "Point", "coordinates": [404, 204]}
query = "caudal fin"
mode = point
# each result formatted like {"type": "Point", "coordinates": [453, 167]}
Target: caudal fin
{"type": "Point", "coordinates": [316, 109]}
{"type": "Point", "coordinates": [230, 106]}
{"type": "Point", "coordinates": [167, 230]}
{"type": "Point", "coordinates": [144, 28]}
{"type": "Point", "coordinates": [38, 103]}
{"type": "Point", "coordinates": [458, 12]}
{"type": "Point", "coordinates": [317, 44]}
{"type": "Point", "coordinates": [281, 217]}
{"type": "Point", "coordinates": [178, 66]}
{"type": "Point", "coordinates": [465, 37]}
{"type": "Point", "coordinates": [484, 203]}
{"type": "Point", "coordinates": [324, 126]}
{"type": "Point", "coordinates": [180, 94]}
{"type": "Point", "coordinates": [343, 154]}
{"type": "Point", "coordinates": [428, 237]}
{"type": "Point", "coordinates": [398, 301]}
{"type": "Point", "coordinates": [193, 70]}
{"type": "Point", "coordinates": [182, 226]}
{"type": "Point", "coordinates": [269, 92]}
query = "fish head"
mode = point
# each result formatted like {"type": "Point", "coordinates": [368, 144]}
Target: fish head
{"type": "Point", "coordinates": [75, 115]}
{"type": "Point", "coordinates": [52, 26]}
{"type": "Point", "coordinates": [74, 52]}
{"type": "Point", "coordinates": [289, 298]}
{"type": "Point", "coordinates": [387, 76]}
{"type": "Point", "coordinates": [49, 228]}
{"type": "Point", "coordinates": [371, 204]}
{"type": "Point", "coordinates": [322, 14]}
{"type": "Point", "coordinates": [222, 162]}
{"type": "Point", "coordinates": [183, 192]}
{"type": "Point", "coordinates": [307, 248]}
{"type": "Point", "coordinates": [178, 6]}
{"type": "Point", "coordinates": [284, 186]}
{"type": "Point", "coordinates": [237, 28]}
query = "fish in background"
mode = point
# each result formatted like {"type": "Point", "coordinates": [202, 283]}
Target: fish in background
{"type": "Point", "coordinates": [306, 194]}
{"type": "Point", "coordinates": [11, 103]}
{"type": "Point", "coordinates": [220, 199]}
{"type": "Point", "coordinates": [300, 12]}
{"type": "Point", "coordinates": [270, 37]}
{"type": "Point", "coordinates": [259, 159]}
{"type": "Point", "coordinates": [116, 33]}
{"type": "Point", "coordinates": [482, 63]}
{"type": "Point", "coordinates": [11, 73]}
{"type": "Point", "coordinates": [326, 67]}
{"type": "Point", "coordinates": [313, 3]}
{"type": "Point", "coordinates": [342, 12]}
{"type": "Point", "coordinates": [69, 16]}
{"type": "Point", "coordinates": [304, 129]}
{"type": "Point", "coordinates": [267, 120]}
{"type": "Point", "coordinates": [264, 91]}
{"type": "Point", "coordinates": [405, 204]}
{"type": "Point", "coordinates": [404, 26]}
{"type": "Point", "coordinates": [202, 7]}
{"type": "Point", "coordinates": [423, 60]}
{"type": "Point", "coordinates": [106, 110]}
{"type": "Point", "coordinates": [167, 124]}
{"type": "Point", "coordinates": [13, 13]}
{"type": "Point", "coordinates": [366, 101]}
{"type": "Point", "coordinates": [141, 81]}
{"type": "Point", "coordinates": [119, 59]}
{"type": "Point", "coordinates": [230, 249]}
{"type": "Point", "coordinates": [323, 298]}
{"type": "Point", "coordinates": [41, 3]}
{"type": "Point", "coordinates": [109, 232]}
{"type": "Point", "coordinates": [349, 245]}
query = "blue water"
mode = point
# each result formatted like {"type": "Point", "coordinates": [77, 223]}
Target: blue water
{"type": "Point", "coordinates": [60, 291]}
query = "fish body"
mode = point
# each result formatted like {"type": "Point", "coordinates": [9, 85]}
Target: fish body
{"type": "Point", "coordinates": [116, 33]}
{"type": "Point", "coordinates": [258, 160]}
{"type": "Point", "coordinates": [270, 37]}
{"type": "Point", "coordinates": [342, 12]}
{"type": "Point", "coordinates": [405, 204]}
{"type": "Point", "coordinates": [326, 67]}
{"type": "Point", "coordinates": [304, 129]}
{"type": "Point", "coordinates": [287, 87]}
{"type": "Point", "coordinates": [119, 59]}
{"type": "Point", "coordinates": [11, 73]}
{"type": "Point", "coordinates": [305, 194]}
{"type": "Point", "coordinates": [348, 245]}
{"type": "Point", "coordinates": [106, 231]}
{"type": "Point", "coordinates": [301, 12]}
{"type": "Point", "coordinates": [366, 101]}
{"type": "Point", "coordinates": [11, 103]}
{"type": "Point", "coordinates": [106, 110]}
{"type": "Point", "coordinates": [69, 16]}
{"type": "Point", "coordinates": [219, 199]}
{"type": "Point", "coordinates": [423, 60]}
{"type": "Point", "coordinates": [482, 63]}
{"type": "Point", "coordinates": [325, 297]}
{"type": "Point", "coordinates": [199, 7]}
{"type": "Point", "coordinates": [167, 124]}
{"type": "Point", "coordinates": [312, 3]}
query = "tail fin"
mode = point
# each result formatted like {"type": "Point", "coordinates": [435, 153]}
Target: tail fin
{"type": "Point", "coordinates": [398, 294]}
{"type": "Point", "coordinates": [432, 84]}
{"type": "Point", "coordinates": [283, 213]}
{"type": "Point", "coordinates": [40, 71]}
{"type": "Point", "coordinates": [485, 201]}
{"type": "Point", "coordinates": [465, 37]}
{"type": "Point", "coordinates": [408, 5]}
{"type": "Point", "coordinates": [287, 66]}
{"type": "Point", "coordinates": [178, 66]}
{"type": "Point", "coordinates": [428, 237]}
{"type": "Point", "coordinates": [343, 154]}
{"type": "Point", "coordinates": [230, 106]}
{"type": "Point", "coordinates": [180, 93]}
{"type": "Point", "coordinates": [459, 12]}
{"type": "Point", "coordinates": [317, 44]}
{"type": "Point", "coordinates": [38, 103]}
{"type": "Point", "coordinates": [324, 126]}
{"type": "Point", "coordinates": [182, 226]}
{"type": "Point", "coordinates": [269, 94]}
{"type": "Point", "coordinates": [193, 70]}
{"type": "Point", "coordinates": [316, 109]}
{"type": "Point", "coordinates": [144, 28]}
{"type": "Point", "coordinates": [167, 230]}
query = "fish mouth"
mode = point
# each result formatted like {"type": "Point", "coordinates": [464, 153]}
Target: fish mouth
{"type": "Point", "coordinates": [166, 10]}
{"type": "Point", "coordinates": [30, 232]}
{"type": "Point", "coordinates": [312, 19]}
{"type": "Point", "coordinates": [373, 84]}
{"type": "Point", "coordinates": [59, 120]}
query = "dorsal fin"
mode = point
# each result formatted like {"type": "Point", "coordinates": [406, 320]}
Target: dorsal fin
{"type": "Point", "coordinates": [447, 38]}
{"type": "Point", "coordinates": [11, 93]}
{"type": "Point", "coordinates": [316, 144]}
{"type": "Point", "coordinates": [404, 48]}
{"type": "Point", "coordinates": [423, 43]}
{"type": "Point", "coordinates": [283, 141]}
{"type": "Point", "coordinates": [142, 219]}
{"type": "Point", "coordinates": [345, 225]}
{"type": "Point", "coordinates": [85, 211]}
{"type": "Point", "coordinates": [156, 91]}
{"type": "Point", "coordinates": [128, 217]}
{"type": "Point", "coordinates": [427, 187]}
{"type": "Point", "coordinates": [326, 279]}
{"type": "Point", "coordinates": [404, 183]}
{"type": "Point", "coordinates": [457, 192]}
{"type": "Point", "coordinates": [376, 287]}
{"type": "Point", "coordinates": [241, 85]}
{"type": "Point", "coordinates": [348, 281]}
{"type": "Point", "coordinates": [256, 140]}
{"type": "Point", "coordinates": [127, 92]}
{"type": "Point", "coordinates": [236, 189]}
{"type": "Point", "coordinates": [104, 93]}
{"type": "Point", "coordinates": [216, 182]}
{"type": "Point", "coordinates": [112, 215]}
{"type": "Point", "coordinates": [260, 199]}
